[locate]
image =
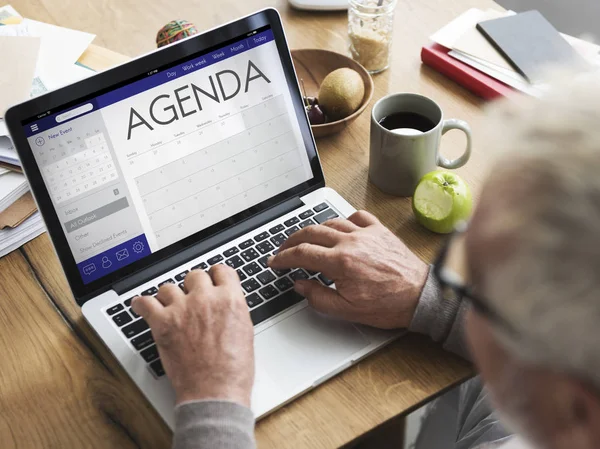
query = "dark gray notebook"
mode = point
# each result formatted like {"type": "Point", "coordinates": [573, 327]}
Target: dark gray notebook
{"type": "Point", "coordinates": [530, 44]}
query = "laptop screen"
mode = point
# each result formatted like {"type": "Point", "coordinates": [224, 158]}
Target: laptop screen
{"type": "Point", "coordinates": [153, 161]}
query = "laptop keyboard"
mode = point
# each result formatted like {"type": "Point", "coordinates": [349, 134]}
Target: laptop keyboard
{"type": "Point", "coordinates": [268, 292]}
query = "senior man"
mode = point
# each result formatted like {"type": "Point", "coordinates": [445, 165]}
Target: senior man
{"type": "Point", "coordinates": [521, 286]}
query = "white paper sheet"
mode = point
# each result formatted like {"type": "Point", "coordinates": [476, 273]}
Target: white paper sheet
{"type": "Point", "coordinates": [14, 30]}
{"type": "Point", "coordinates": [7, 13]}
{"type": "Point", "coordinates": [60, 49]}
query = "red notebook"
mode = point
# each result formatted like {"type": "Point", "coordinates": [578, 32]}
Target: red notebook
{"type": "Point", "coordinates": [482, 85]}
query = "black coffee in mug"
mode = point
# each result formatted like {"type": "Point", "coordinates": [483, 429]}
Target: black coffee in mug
{"type": "Point", "coordinates": [407, 120]}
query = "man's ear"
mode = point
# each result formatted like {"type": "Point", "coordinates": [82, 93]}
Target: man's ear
{"type": "Point", "coordinates": [582, 415]}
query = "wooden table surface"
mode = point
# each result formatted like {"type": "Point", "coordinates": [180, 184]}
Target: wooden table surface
{"type": "Point", "coordinates": [61, 388]}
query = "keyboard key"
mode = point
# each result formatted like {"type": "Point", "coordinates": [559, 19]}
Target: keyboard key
{"type": "Point", "coordinates": [273, 307]}
{"type": "Point", "coordinates": [253, 300]}
{"type": "Point", "coordinates": [325, 280]}
{"type": "Point", "coordinates": [200, 266]}
{"type": "Point", "coordinates": [312, 273]}
{"type": "Point", "coordinates": [266, 277]}
{"type": "Point", "coordinates": [235, 262]}
{"type": "Point", "coordinates": [263, 261]}
{"type": "Point", "coordinates": [249, 255]}
{"type": "Point", "coordinates": [320, 207]}
{"type": "Point", "coordinates": [215, 259]}
{"type": "Point", "coordinates": [150, 354]}
{"type": "Point", "coordinates": [168, 281]}
{"type": "Point", "coordinates": [150, 292]}
{"type": "Point", "coordinates": [128, 302]}
{"type": "Point", "coordinates": [325, 215]}
{"type": "Point", "coordinates": [260, 237]}
{"type": "Point", "coordinates": [137, 327]}
{"type": "Point", "coordinates": [247, 244]}
{"type": "Point", "coordinates": [276, 229]}
{"type": "Point", "coordinates": [122, 319]}
{"type": "Point", "coordinates": [157, 368]}
{"type": "Point", "coordinates": [291, 221]}
{"type": "Point", "coordinates": [278, 239]}
{"type": "Point", "coordinates": [265, 247]}
{"type": "Point", "coordinates": [231, 251]}
{"type": "Point", "coordinates": [142, 341]}
{"type": "Point", "coordinates": [306, 223]}
{"type": "Point", "coordinates": [284, 284]}
{"type": "Point", "coordinates": [133, 314]}
{"type": "Point", "coordinates": [181, 276]}
{"type": "Point", "coordinates": [299, 274]}
{"type": "Point", "coordinates": [280, 273]}
{"type": "Point", "coordinates": [268, 292]}
{"type": "Point", "coordinates": [290, 231]}
{"type": "Point", "coordinates": [250, 285]}
{"type": "Point", "coordinates": [241, 275]}
{"type": "Point", "coordinates": [252, 268]}
{"type": "Point", "coordinates": [114, 309]}
{"type": "Point", "coordinates": [182, 287]}
{"type": "Point", "coordinates": [307, 213]}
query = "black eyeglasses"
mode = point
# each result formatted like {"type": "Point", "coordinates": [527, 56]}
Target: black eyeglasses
{"type": "Point", "coordinates": [452, 274]}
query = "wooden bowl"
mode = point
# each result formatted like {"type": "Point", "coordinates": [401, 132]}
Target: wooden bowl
{"type": "Point", "coordinates": [313, 65]}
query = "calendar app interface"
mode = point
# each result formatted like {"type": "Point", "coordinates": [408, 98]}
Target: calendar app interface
{"type": "Point", "coordinates": [151, 162]}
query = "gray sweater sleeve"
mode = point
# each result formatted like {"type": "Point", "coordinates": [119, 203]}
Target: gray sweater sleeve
{"type": "Point", "coordinates": [441, 318]}
{"type": "Point", "coordinates": [466, 411]}
{"type": "Point", "coordinates": [213, 425]}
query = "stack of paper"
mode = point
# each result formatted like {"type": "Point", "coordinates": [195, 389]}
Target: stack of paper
{"type": "Point", "coordinates": [13, 238]}
{"type": "Point", "coordinates": [469, 46]}
{"type": "Point", "coordinates": [36, 57]}
{"type": "Point", "coordinates": [12, 187]}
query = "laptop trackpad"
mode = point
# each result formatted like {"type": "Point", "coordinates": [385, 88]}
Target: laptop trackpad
{"type": "Point", "coordinates": [305, 346]}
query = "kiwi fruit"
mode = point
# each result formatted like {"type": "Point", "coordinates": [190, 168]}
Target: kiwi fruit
{"type": "Point", "coordinates": [341, 93]}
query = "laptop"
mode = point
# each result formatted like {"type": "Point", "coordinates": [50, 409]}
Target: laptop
{"type": "Point", "coordinates": [193, 155]}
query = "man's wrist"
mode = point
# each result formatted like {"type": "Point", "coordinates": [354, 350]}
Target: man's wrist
{"type": "Point", "coordinates": [230, 393]}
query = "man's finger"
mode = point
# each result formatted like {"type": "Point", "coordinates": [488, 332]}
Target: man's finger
{"type": "Point", "coordinates": [341, 224]}
{"type": "Point", "coordinates": [148, 307]}
{"type": "Point", "coordinates": [315, 235]}
{"type": "Point", "coordinates": [197, 279]}
{"type": "Point", "coordinates": [223, 275]}
{"type": "Point", "coordinates": [323, 299]}
{"type": "Point", "coordinates": [168, 294]}
{"type": "Point", "coordinates": [363, 219]}
{"type": "Point", "coordinates": [304, 255]}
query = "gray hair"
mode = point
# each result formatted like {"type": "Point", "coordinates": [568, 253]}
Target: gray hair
{"type": "Point", "coordinates": [544, 277]}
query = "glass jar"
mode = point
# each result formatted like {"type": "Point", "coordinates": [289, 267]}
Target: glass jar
{"type": "Point", "coordinates": [370, 29]}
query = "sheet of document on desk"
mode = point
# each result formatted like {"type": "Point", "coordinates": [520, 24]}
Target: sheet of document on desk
{"type": "Point", "coordinates": [59, 51]}
{"type": "Point", "coordinates": [9, 16]}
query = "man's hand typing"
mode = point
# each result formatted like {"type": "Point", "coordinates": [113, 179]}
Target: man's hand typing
{"type": "Point", "coordinates": [205, 337]}
{"type": "Point", "coordinates": [378, 279]}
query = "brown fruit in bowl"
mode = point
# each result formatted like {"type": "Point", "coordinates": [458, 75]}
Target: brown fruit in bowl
{"type": "Point", "coordinates": [341, 93]}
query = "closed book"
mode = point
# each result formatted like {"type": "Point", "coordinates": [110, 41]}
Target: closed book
{"type": "Point", "coordinates": [482, 85]}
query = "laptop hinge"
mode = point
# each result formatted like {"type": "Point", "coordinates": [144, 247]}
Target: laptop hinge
{"type": "Point", "coordinates": [207, 245]}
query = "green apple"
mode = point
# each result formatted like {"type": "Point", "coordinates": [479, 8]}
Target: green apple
{"type": "Point", "coordinates": [441, 200]}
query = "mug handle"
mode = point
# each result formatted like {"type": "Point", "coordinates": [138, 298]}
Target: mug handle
{"type": "Point", "coordinates": [464, 127]}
